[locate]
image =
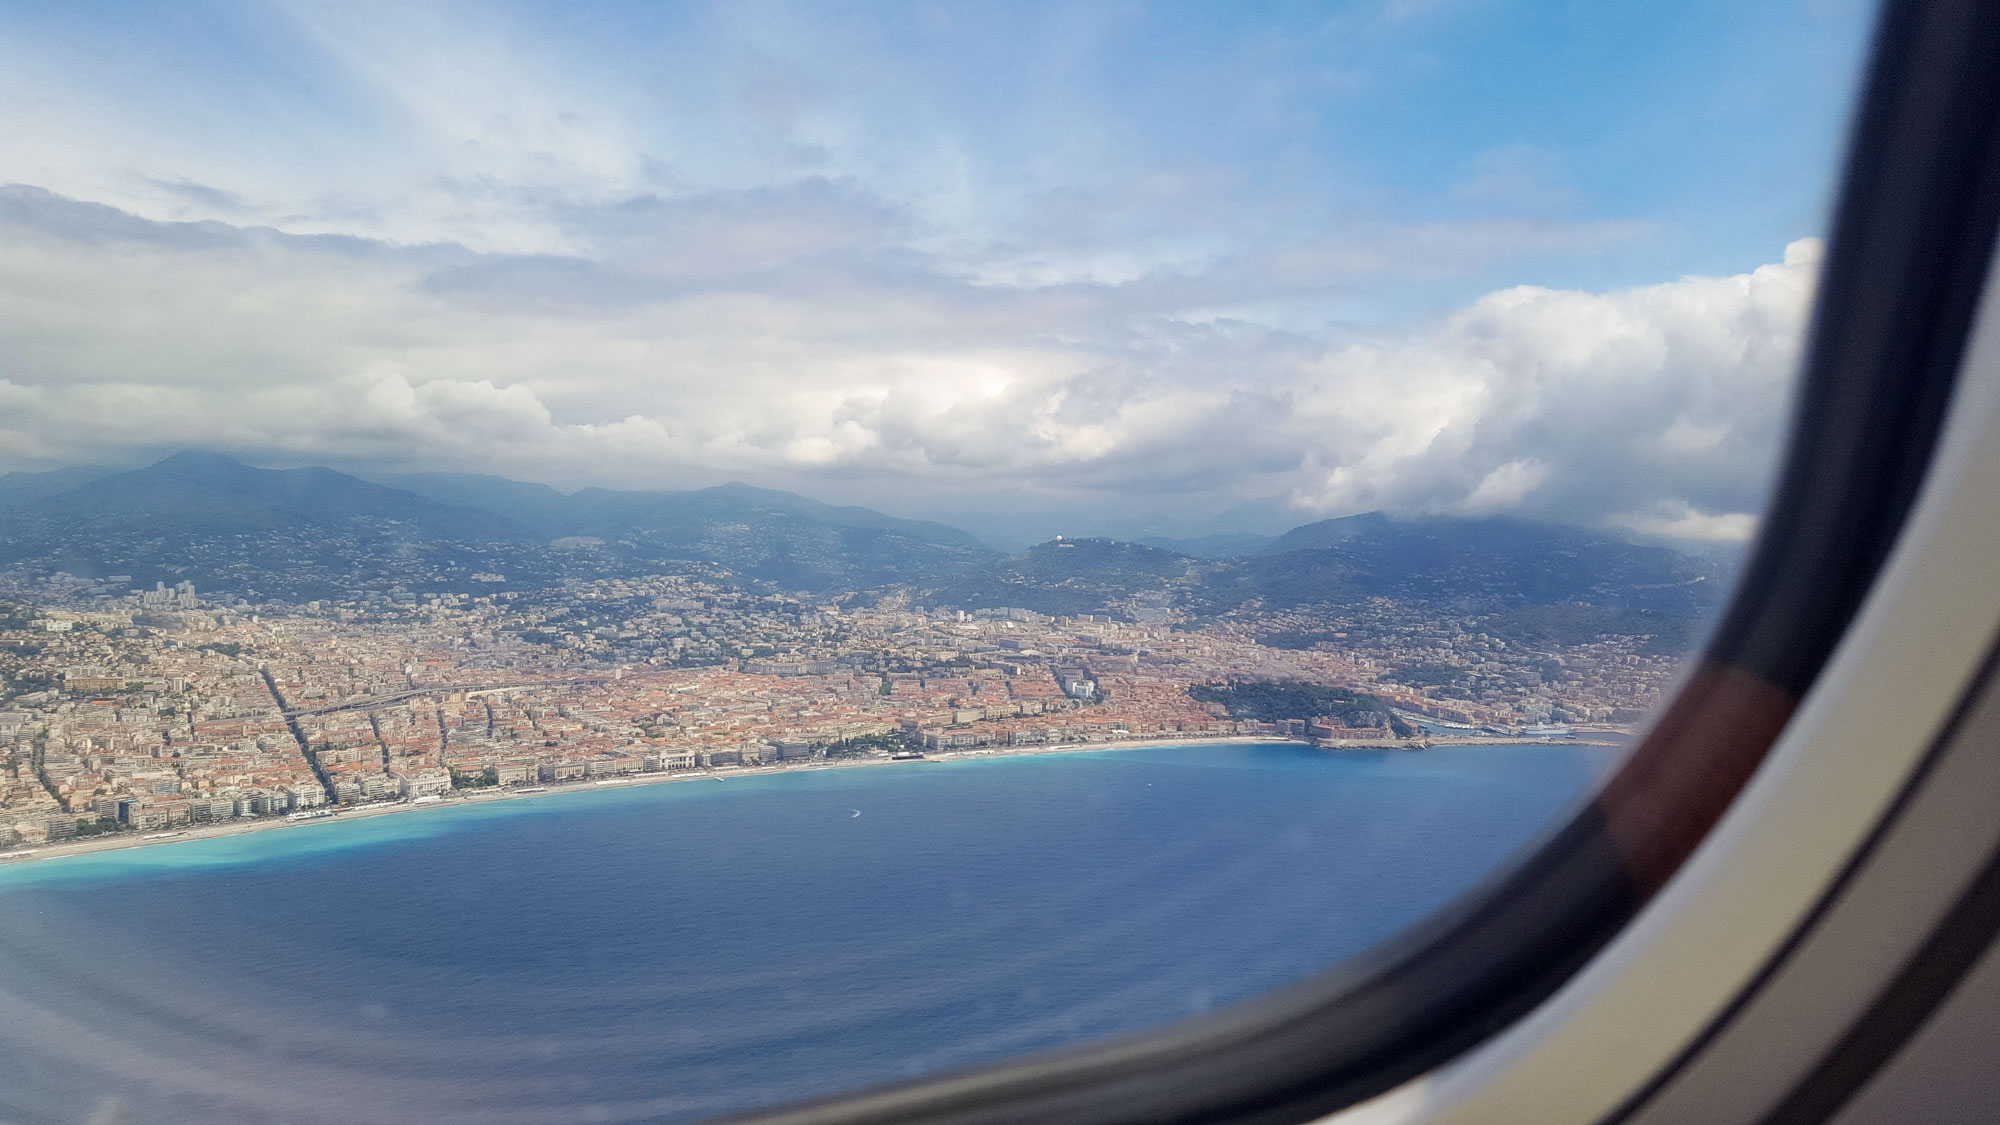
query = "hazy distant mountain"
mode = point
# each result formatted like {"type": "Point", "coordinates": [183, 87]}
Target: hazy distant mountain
{"type": "Point", "coordinates": [302, 533]}
{"type": "Point", "coordinates": [1223, 546]}
{"type": "Point", "coordinates": [1066, 576]}
{"type": "Point", "coordinates": [207, 492]}
{"type": "Point", "coordinates": [675, 516]}
{"type": "Point", "coordinates": [1486, 565]}
{"type": "Point", "coordinates": [776, 536]}
{"type": "Point", "coordinates": [22, 488]}
{"type": "Point", "coordinates": [291, 534]}
{"type": "Point", "coordinates": [602, 511]}
{"type": "Point", "coordinates": [299, 533]}
{"type": "Point", "coordinates": [1495, 559]}
{"type": "Point", "coordinates": [1330, 533]}
{"type": "Point", "coordinates": [535, 506]}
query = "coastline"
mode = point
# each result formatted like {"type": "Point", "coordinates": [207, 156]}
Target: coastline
{"type": "Point", "coordinates": [121, 841]}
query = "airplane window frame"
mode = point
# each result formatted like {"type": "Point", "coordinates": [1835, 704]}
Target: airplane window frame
{"type": "Point", "coordinates": [1911, 238]}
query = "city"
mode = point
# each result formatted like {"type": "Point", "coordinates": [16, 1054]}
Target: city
{"type": "Point", "coordinates": [154, 711]}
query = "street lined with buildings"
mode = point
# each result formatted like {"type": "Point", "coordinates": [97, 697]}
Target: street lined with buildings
{"type": "Point", "coordinates": [159, 711]}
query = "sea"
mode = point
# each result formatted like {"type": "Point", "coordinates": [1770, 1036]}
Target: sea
{"type": "Point", "coordinates": [673, 952]}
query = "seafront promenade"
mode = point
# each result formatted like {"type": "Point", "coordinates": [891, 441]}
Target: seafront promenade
{"type": "Point", "coordinates": [488, 795]}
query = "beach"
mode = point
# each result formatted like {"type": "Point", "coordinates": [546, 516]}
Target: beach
{"type": "Point", "coordinates": [487, 795]}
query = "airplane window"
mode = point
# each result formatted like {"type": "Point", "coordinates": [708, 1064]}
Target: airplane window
{"type": "Point", "coordinates": [630, 564]}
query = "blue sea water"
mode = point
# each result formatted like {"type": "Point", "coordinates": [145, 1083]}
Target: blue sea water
{"type": "Point", "coordinates": [670, 952]}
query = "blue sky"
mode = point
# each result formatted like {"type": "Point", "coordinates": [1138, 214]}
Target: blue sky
{"type": "Point", "coordinates": [1009, 259]}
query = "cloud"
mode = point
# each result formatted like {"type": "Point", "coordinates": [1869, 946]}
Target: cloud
{"type": "Point", "coordinates": [1679, 520]}
{"type": "Point", "coordinates": [201, 196]}
{"type": "Point", "coordinates": [1665, 393]}
{"type": "Point", "coordinates": [1507, 487]}
{"type": "Point", "coordinates": [828, 355]}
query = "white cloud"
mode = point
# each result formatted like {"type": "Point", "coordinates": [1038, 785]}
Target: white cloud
{"type": "Point", "coordinates": [1672, 391]}
{"type": "Point", "coordinates": [1505, 488]}
{"type": "Point", "coordinates": [824, 361]}
{"type": "Point", "coordinates": [1679, 520]}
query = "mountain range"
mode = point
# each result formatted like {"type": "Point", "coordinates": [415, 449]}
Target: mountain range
{"type": "Point", "coordinates": [1484, 565]}
{"type": "Point", "coordinates": [291, 533]}
{"type": "Point", "coordinates": [678, 515]}
{"type": "Point", "coordinates": [197, 503]}
{"type": "Point", "coordinates": [206, 492]}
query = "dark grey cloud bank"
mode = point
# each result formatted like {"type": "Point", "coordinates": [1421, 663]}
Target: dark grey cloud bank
{"type": "Point", "coordinates": [816, 337]}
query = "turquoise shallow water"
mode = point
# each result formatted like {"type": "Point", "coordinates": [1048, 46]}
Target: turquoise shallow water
{"type": "Point", "coordinates": [673, 951]}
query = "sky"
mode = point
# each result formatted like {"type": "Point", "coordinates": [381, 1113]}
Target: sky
{"type": "Point", "coordinates": [1097, 268]}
